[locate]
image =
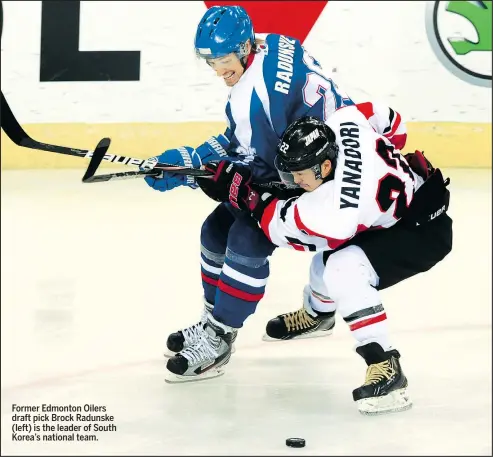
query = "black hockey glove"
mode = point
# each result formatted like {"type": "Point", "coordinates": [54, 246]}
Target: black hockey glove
{"type": "Point", "coordinates": [430, 201]}
{"type": "Point", "coordinates": [233, 182]}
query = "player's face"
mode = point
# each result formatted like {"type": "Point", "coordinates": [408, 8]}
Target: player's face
{"type": "Point", "coordinates": [306, 178]}
{"type": "Point", "coordinates": [228, 67]}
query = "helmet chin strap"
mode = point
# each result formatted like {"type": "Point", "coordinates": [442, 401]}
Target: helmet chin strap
{"type": "Point", "coordinates": [244, 59]}
{"type": "Point", "coordinates": [317, 170]}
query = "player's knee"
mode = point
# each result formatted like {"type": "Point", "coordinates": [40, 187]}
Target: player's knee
{"type": "Point", "coordinates": [348, 271]}
{"type": "Point", "coordinates": [317, 269]}
{"type": "Point", "coordinates": [247, 260]}
{"type": "Point", "coordinates": [246, 239]}
{"type": "Point", "coordinates": [214, 231]}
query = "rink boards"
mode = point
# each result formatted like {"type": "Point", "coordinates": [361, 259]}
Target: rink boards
{"type": "Point", "coordinates": [446, 144]}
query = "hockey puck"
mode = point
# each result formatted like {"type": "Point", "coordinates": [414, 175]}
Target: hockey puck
{"type": "Point", "coordinates": [295, 442]}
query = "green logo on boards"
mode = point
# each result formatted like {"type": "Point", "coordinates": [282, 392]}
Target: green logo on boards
{"type": "Point", "coordinates": [460, 35]}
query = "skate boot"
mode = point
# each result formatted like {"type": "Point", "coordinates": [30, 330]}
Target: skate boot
{"type": "Point", "coordinates": [385, 388]}
{"type": "Point", "coordinates": [304, 323]}
{"type": "Point", "coordinates": [204, 358]}
{"type": "Point", "coordinates": [181, 339]}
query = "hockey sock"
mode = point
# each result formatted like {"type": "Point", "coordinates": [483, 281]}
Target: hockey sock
{"type": "Point", "coordinates": [241, 285]}
{"type": "Point", "coordinates": [369, 324]}
{"type": "Point", "coordinates": [320, 303]}
{"type": "Point", "coordinates": [210, 266]}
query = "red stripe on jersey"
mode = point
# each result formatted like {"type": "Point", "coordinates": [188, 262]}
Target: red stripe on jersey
{"type": "Point", "coordinates": [297, 247]}
{"type": "Point", "coordinates": [399, 141]}
{"type": "Point", "coordinates": [366, 322]}
{"type": "Point", "coordinates": [212, 282]}
{"type": "Point", "coordinates": [366, 109]}
{"type": "Point", "coordinates": [238, 293]}
{"type": "Point", "coordinates": [250, 58]}
{"type": "Point", "coordinates": [333, 243]}
{"type": "Point", "coordinates": [267, 217]}
{"type": "Point", "coordinates": [396, 125]}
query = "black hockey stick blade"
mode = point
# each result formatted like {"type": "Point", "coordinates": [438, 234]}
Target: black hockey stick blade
{"type": "Point", "coordinates": [100, 152]}
{"type": "Point", "coordinates": [18, 135]}
{"type": "Point", "coordinates": [96, 159]}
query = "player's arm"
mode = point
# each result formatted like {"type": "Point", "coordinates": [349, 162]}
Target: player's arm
{"type": "Point", "coordinates": [385, 121]}
{"type": "Point", "coordinates": [294, 222]}
{"type": "Point", "coordinates": [306, 223]}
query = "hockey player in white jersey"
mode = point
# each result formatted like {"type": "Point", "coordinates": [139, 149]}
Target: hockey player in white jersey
{"type": "Point", "coordinates": [374, 218]}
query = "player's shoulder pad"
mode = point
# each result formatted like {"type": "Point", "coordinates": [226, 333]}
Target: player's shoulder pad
{"type": "Point", "coordinates": [347, 117]}
{"type": "Point", "coordinates": [319, 211]}
{"type": "Point", "coordinates": [311, 205]}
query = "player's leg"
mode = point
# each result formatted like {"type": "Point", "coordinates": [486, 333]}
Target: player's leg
{"type": "Point", "coordinates": [245, 272]}
{"type": "Point", "coordinates": [213, 243]}
{"type": "Point", "coordinates": [240, 286]}
{"type": "Point", "coordinates": [315, 318]}
{"type": "Point", "coordinates": [351, 281]}
{"type": "Point", "coordinates": [353, 277]}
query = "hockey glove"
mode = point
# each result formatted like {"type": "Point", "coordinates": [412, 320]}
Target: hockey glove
{"type": "Point", "coordinates": [186, 156]}
{"type": "Point", "coordinates": [233, 182]}
{"type": "Point", "coordinates": [420, 164]}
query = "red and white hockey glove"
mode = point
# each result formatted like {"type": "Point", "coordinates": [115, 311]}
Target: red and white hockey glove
{"type": "Point", "coordinates": [233, 182]}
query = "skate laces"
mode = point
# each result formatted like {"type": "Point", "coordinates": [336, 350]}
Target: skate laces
{"type": "Point", "coordinates": [378, 371]}
{"type": "Point", "coordinates": [201, 350]}
{"type": "Point", "coordinates": [193, 333]}
{"type": "Point", "coordinates": [298, 320]}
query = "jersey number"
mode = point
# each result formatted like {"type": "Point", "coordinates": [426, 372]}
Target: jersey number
{"type": "Point", "coordinates": [391, 188]}
{"type": "Point", "coordinates": [317, 85]}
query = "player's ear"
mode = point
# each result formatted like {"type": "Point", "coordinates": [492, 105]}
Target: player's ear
{"type": "Point", "coordinates": [326, 168]}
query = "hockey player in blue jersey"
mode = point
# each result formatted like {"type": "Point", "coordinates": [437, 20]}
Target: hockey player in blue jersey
{"type": "Point", "coordinates": [273, 82]}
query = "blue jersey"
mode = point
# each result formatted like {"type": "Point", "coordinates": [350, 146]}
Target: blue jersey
{"type": "Point", "coordinates": [281, 83]}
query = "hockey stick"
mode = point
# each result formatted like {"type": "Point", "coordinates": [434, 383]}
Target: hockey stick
{"type": "Point", "coordinates": [151, 167]}
{"type": "Point", "coordinates": [18, 136]}
{"type": "Point", "coordinates": [100, 153]}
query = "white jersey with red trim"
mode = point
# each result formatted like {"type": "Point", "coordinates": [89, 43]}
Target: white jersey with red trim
{"type": "Point", "coordinates": [386, 121]}
{"type": "Point", "coordinates": [372, 187]}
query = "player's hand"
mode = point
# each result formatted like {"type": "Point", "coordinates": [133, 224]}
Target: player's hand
{"type": "Point", "coordinates": [185, 157]}
{"type": "Point", "coordinates": [233, 182]}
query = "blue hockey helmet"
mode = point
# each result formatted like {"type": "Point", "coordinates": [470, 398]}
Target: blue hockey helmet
{"type": "Point", "coordinates": [223, 30]}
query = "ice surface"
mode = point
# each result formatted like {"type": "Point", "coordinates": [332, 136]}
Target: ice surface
{"type": "Point", "coordinates": [95, 276]}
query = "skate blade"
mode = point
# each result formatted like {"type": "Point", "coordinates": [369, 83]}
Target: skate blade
{"type": "Point", "coordinates": [396, 401]}
{"type": "Point", "coordinates": [316, 334]}
{"type": "Point", "coordinates": [168, 354]}
{"type": "Point", "coordinates": [172, 378]}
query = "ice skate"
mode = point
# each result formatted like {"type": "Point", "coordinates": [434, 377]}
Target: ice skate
{"type": "Point", "coordinates": [204, 358]}
{"type": "Point", "coordinates": [385, 387]}
{"type": "Point", "coordinates": [303, 323]}
{"type": "Point", "coordinates": [180, 340]}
